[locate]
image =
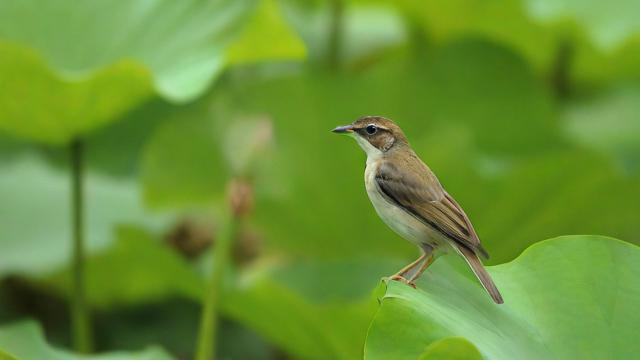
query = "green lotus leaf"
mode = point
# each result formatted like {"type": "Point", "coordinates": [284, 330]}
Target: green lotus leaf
{"type": "Point", "coordinates": [68, 67]}
{"type": "Point", "coordinates": [6, 356]}
{"type": "Point", "coordinates": [182, 162]}
{"type": "Point", "coordinates": [505, 22]}
{"type": "Point", "coordinates": [608, 24]}
{"type": "Point", "coordinates": [33, 191]}
{"type": "Point", "coordinates": [25, 340]}
{"type": "Point", "coordinates": [38, 104]}
{"type": "Point", "coordinates": [189, 159]}
{"type": "Point", "coordinates": [136, 269]}
{"type": "Point", "coordinates": [453, 348]}
{"type": "Point", "coordinates": [565, 298]}
{"type": "Point", "coordinates": [608, 123]}
{"type": "Point", "coordinates": [312, 310]}
{"type": "Point", "coordinates": [320, 309]}
{"type": "Point", "coordinates": [266, 36]}
{"type": "Point", "coordinates": [597, 42]}
{"type": "Point", "coordinates": [367, 29]}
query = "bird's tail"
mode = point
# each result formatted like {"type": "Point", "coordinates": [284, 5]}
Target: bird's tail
{"type": "Point", "coordinates": [480, 272]}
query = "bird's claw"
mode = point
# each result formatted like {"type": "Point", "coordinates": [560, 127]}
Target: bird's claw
{"type": "Point", "coordinates": [401, 279]}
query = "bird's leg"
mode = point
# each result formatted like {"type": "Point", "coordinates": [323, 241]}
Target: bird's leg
{"type": "Point", "coordinates": [424, 267]}
{"type": "Point", "coordinates": [409, 267]}
{"type": "Point", "coordinates": [399, 276]}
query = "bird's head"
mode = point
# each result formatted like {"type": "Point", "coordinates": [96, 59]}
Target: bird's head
{"type": "Point", "coordinates": [374, 134]}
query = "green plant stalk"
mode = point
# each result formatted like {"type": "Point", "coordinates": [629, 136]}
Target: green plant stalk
{"type": "Point", "coordinates": [206, 348]}
{"type": "Point", "coordinates": [81, 330]}
{"type": "Point", "coordinates": [561, 69]}
{"type": "Point", "coordinates": [336, 26]}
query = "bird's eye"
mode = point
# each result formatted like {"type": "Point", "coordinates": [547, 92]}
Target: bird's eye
{"type": "Point", "coordinates": [371, 129]}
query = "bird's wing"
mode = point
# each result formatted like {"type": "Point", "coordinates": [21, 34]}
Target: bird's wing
{"type": "Point", "coordinates": [405, 187]}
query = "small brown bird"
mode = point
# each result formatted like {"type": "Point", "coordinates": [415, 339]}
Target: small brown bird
{"type": "Point", "coordinates": [410, 200]}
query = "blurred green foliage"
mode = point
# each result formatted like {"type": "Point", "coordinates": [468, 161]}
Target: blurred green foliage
{"type": "Point", "coordinates": [526, 110]}
{"type": "Point", "coordinates": [25, 340]}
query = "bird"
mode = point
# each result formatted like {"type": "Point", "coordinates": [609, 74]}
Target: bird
{"type": "Point", "coordinates": [409, 198]}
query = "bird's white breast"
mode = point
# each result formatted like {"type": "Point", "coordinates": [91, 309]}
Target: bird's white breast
{"type": "Point", "coordinates": [395, 217]}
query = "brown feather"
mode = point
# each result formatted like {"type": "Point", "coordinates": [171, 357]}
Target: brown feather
{"type": "Point", "coordinates": [416, 189]}
{"type": "Point", "coordinates": [481, 273]}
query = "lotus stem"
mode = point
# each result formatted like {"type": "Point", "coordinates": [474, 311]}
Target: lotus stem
{"type": "Point", "coordinates": [80, 325]}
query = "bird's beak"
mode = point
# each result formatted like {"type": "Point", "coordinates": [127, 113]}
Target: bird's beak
{"type": "Point", "coordinates": [346, 129]}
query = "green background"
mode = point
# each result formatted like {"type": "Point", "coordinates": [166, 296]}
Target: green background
{"type": "Point", "coordinates": [528, 111]}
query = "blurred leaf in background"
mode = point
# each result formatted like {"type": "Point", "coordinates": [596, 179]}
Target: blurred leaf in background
{"type": "Point", "coordinates": [608, 25]}
{"type": "Point", "coordinates": [564, 193]}
{"type": "Point", "coordinates": [182, 163]}
{"type": "Point", "coordinates": [609, 123]}
{"type": "Point", "coordinates": [35, 222]}
{"type": "Point", "coordinates": [25, 340]}
{"type": "Point", "coordinates": [322, 308]}
{"type": "Point", "coordinates": [367, 30]}
{"type": "Point", "coordinates": [503, 22]}
{"type": "Point", "coordinates": [148, 271]}
{"type": "Point", "coordinates": [266, 36]}
{"type": "Point", "coordinates": [88, 63]}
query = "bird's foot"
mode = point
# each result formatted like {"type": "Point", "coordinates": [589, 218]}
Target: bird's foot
{"type": "Point", "coordinates": [400, 278]}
